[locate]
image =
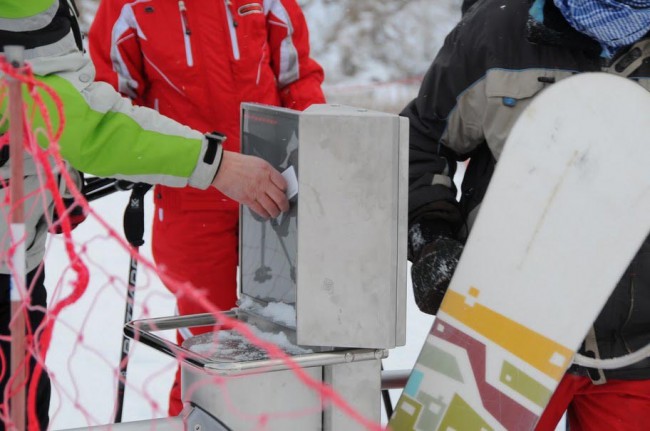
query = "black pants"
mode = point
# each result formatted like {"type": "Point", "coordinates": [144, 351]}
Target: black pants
{"type": "Point", "coordinates": [38, 298]}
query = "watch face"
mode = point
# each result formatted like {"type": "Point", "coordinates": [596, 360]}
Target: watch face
{"type": "Point", "coordinates": [268, 248]}
{"type": "Point", "coordinates": [216, 136]}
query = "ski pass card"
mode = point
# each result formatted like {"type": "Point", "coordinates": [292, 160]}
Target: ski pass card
{"type": "Point", "coordinates": [289, 175]}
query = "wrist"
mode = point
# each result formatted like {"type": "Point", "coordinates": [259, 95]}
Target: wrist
{"type": "Point", "coordinates": [209, 161]}
{"type": "Point", "coordinates": [214, 151]}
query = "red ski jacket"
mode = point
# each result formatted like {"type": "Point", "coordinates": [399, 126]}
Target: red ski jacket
{"type": "Point", "coordinates": [197, 60]}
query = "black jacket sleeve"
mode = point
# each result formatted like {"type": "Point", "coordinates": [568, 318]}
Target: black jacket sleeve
{"type": "Point", "coordinates": [438, 125]}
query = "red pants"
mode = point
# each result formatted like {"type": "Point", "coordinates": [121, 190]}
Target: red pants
{"type": "Point", "coordinates": [618, 405]}
{"type": "Point", "coordinates": [199, 245]}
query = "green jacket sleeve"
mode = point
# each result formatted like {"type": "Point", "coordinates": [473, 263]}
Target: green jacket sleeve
{"type": "Point", "coordinates": [105, 135]}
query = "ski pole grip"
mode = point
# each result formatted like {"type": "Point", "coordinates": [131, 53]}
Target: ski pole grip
{"type": "Point", "coordinates": [134, 215]}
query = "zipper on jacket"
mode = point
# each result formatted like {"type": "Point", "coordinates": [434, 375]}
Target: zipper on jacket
{"type": "Point", "coordinates": [187, 33]}
{"type": "Point", "coordinates": [259, 65]}
{"type": "Point", "coordinates": [233, 32]}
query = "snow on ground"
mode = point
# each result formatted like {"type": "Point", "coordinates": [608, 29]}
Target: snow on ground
{"type": "Point", "coordinates": [87, 338]}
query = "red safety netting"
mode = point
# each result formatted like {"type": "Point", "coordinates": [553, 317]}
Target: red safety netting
{"type": "Point", "coordinates": [87, 271]}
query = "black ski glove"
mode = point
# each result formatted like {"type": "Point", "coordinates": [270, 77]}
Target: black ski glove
{"type": "Point", "coordinates": [434, 263]}
{"type": "Point", "coordinates": [74, 212]}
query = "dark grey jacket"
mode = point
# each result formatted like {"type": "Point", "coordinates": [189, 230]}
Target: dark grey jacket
{"type": "Point", "coordinates": [466, 5]}
{"type": "Point", "coordinates": [492, 64]}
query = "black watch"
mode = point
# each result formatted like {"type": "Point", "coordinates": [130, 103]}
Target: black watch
{"type": "Point", "coordinates": [215, 141]}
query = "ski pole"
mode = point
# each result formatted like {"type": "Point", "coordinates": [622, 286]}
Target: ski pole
{"type": "Point", "coordinates": [134, 232]}
{"type": "Point", "coordinates": [95, 188]}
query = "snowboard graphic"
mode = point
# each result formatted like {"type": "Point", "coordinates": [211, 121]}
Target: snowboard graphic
{"type": "Point", "coordinates": [565, 212]}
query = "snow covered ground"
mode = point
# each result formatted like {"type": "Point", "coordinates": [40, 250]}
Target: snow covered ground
{"type": "Point", "coordinates": [87, 339]}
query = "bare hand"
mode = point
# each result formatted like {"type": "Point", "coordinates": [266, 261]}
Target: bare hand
{"type": "Point", "coordinates": [253, 182]}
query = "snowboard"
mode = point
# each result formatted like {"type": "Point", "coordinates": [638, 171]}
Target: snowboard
{"type": "Point", "coordinates": [565, 212]}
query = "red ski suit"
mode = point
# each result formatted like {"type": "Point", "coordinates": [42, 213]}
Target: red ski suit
{"type": "Point", "coordinates": [196, 61]}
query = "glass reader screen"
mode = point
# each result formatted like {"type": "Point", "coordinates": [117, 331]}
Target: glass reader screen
{"type": "Point", "coordinates": [268, 247]}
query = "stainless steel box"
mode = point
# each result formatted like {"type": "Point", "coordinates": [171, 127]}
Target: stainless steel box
{"type": "Point", "coordinates": [231, 381]}
{"type": "Point", "coordinates": [339, 256]}
{"type": "Point", "coordinates": [267, 394]}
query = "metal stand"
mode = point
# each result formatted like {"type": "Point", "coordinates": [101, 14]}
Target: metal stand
{"type": "Point", "coordinates": [269, 386]}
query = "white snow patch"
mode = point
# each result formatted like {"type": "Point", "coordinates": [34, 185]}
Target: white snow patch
{"type": "Point", "coordinates": [229, 345]}
{"type": "Point", "coordinates": [277, 312]}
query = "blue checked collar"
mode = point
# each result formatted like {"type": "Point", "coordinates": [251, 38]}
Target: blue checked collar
{"type": "Point", "coordinates": [614, 24]}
